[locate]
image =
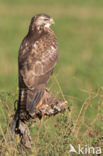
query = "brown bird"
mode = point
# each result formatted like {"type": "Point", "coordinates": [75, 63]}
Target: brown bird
{"type": "Point", "coordinates": [37, 58]}
{"type": "Point", "coordinates": [38, 55]}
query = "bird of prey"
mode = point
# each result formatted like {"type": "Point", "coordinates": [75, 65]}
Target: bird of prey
{"type": "Point", "coordinates": [38, 55]}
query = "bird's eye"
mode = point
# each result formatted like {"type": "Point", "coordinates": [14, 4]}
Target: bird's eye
{"type": "Point", "coordinates": [46, 19]}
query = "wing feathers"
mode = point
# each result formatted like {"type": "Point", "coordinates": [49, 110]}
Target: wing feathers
{"type": "Point", "coordinates": [28, 100]}
{"type": "Point", "coordinates": [36, 65]}
{"type": "Point", "coordinates": [33, 99]}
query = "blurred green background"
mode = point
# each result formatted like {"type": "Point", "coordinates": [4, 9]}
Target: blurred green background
{"type": "Point", "coordinates": [79, 30]}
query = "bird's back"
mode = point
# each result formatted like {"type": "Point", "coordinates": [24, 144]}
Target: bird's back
{"type": "Point", "coordinates": [37, 59]}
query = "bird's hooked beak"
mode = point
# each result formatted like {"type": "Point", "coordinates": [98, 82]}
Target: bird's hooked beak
{"type": "Point", "coordinates": [51, 21]}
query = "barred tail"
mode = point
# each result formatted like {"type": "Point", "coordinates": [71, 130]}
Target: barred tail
{"type": "Point", "coordinates": [23, 114]}
{"type": "Point", "coordinates": [28, 100]}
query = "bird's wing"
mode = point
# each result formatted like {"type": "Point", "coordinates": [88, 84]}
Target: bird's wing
{"type": "Point", "coordinates": [36, 64]}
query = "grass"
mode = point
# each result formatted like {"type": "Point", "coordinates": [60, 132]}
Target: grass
{"type": "Point", "coordinates": [78, 75]}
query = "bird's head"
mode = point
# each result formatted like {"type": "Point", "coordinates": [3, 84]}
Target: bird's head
{"type": "Point", "coordinates": [41, 20]}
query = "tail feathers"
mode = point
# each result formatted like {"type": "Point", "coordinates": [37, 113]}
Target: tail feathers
{"type": "Point", "coordinates": [28, 100]}
{"type": "Point", "coordinates": [23, 114]}
{"type": "Point", "coordinates": [33, 98]}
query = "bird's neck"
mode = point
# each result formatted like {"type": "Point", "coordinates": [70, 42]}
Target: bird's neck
{"type": "Point", "coordinates": [39, 30]}
{"type": "Point", "coordinates": [36, 33]}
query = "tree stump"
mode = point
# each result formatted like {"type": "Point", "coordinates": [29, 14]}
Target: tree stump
{"type": "Point", "coordinates": [48, 106]}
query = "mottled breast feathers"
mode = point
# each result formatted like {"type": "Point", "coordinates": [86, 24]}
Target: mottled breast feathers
{"type": "Point", "coordinates": [37, 59]}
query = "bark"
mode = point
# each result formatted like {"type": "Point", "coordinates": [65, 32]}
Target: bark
{"type": "Point", "coordinates": [48, 106]}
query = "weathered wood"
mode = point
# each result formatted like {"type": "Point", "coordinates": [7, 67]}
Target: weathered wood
{"type": "Point", "coordinates": [25, 137]}
{"type": "Point", "coordinates": [48, 106]}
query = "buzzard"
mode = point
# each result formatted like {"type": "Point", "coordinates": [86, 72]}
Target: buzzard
{"type": "Point", "coordinates": [37, 58]}
{"type": "Point", "coordinates": [38, 55]}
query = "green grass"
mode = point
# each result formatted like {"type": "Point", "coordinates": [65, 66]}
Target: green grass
{"type": "Point", "coordinates": [79, 30]}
